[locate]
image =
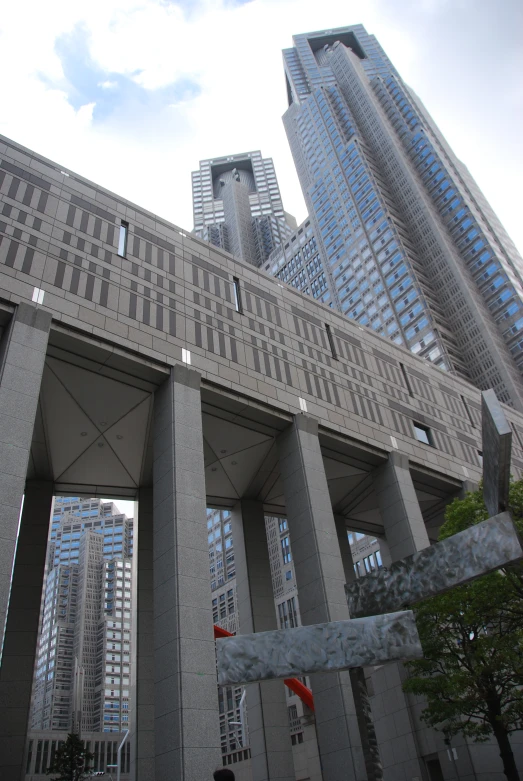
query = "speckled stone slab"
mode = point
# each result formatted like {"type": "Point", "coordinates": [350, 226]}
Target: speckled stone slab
{"type": "Point", "coordinates": [337, 645]}
{"type": "Point", "coordinates": [458, 559]}
{"type": "Point", "coordinates": [497, 446]}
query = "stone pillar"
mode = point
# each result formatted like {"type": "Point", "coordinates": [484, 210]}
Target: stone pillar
{"type": "Point", "coordinates": [268, 719]}
{"type": "Point", "coordinates": [467, 486]}
{"type": "Point", "coordinates": [187, 743]}
{"type": "Point", "coordinates": [142, 699]}
{"type": "Point", "coordinates": [345, 551]}
{"type": "Point", "coordinates": [22, 356]}
{"type": "Point", "coordinates": [320, 579]}
{"type": "Point", "coordinates": [403, 522]}
{"type": "Point", "coordinates": [360, 693]}
{"type": "Point", "coordinates": [21, 632]}
{"type": "Point", "coordinates": [405, 533]}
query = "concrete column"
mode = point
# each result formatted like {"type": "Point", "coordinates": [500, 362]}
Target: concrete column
{"type": "Point", "coordinates": [21, 632]}
{"type": "Point", "coordinates": [142, 695]}
{"type": "Point", "coordinates": [405, 533]}
{"type": "Point", "coordinates": [360, 693]}
{"type": "Point", "coordinates": [22, 356]}
{"type": "Point", "coordinates": [467, 486]}
{"type": "Point", "coordinates": [345, 551]}
{"type": "Point", "coordinates": [320, 579]}
{"type": "Point", "coordinates": [269, 736]}
{"type": "Point", "coordinates": [187, 743]}
{"type": "Point", "coordinates": [399, 507]}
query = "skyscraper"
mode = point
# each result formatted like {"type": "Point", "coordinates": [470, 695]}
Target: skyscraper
{"type": "Point", "coordinates": [84, 649]}
{"type": "Point", "coordinates": [408, 244]}
{"type": "Point", "coordinates": [237, 206]}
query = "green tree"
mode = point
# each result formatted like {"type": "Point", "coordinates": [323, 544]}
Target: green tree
{"type": "Point", "coordinates": [472, 637]}
{"type": "Point", "coordinates": [71, 760]}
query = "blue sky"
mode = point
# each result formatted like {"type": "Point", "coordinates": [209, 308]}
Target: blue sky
{"type": "Point", "coordinates": [133, 93]}
{"type": "Point", "coordinates": [110, 92]}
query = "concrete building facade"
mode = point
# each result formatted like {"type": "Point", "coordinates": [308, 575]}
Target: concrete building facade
{"type": "Point", "coordinates": [42, 746]}
{"type": "Point", "coordinates": [190, 399]}
{"type": "Point", "coordinates": [409, 245]}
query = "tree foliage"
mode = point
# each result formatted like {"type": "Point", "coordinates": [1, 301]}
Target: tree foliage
{"type": "Point", "coordinates": [71, 760]}
{"type": "Point", "coordinates": [466, 512]}
{"type": "Point", "coordinates": [472, 637]}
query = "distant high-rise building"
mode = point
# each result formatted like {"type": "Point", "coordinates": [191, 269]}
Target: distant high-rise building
{"type": "Point", "coordinates": [84, 648]}
{"type": "Point", "coordinates": [237, 206]}
{"type": "Point", "coordinates": [408, 244]}
{"type": "Point", "coordinates": [233, 722]}
{"type": "Point", "coordinates": [298, 262]}
{"type": "Point", "coordinates": [222, 572]}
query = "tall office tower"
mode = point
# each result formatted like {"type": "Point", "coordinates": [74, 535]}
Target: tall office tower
{"type": "Point", "coordinates": [408, 243]}
{"type": "Point", "coordinates": [237, 206]}
{"type": "Point", "coordinates": [84, 652]}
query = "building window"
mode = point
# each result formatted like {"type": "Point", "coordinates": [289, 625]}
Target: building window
{"type": "Point", "coordinates": [330, 337]}
{"type": "Point", "coordinates": [406, 379]}
{"type": "Point", "coordinates": [237, 295]}
{"type": "Point", "coordinates": [291, 609]}
{"type": "Point", "coordinates": [286, 550]}
{"type": "Point", "coordinates": [122, 239]}
{"type": "Point", "coordinates": [283, 525]}
{"type": "Point", "coordinates": [423, 434]}
{"type": "Point", "coordinates": [283, 616]}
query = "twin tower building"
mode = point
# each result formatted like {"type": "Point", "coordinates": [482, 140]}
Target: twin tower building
{"type": "Point", "coordinates": [399, 237]}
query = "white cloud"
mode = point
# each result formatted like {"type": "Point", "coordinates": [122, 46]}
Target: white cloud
{"type": "Point", "coordinates": [85, 114]}
{"type": "Point", "coordinates": [146, 148]}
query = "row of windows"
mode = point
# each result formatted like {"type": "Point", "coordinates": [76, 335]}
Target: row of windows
{"type": "Point", "coordinates": [287, 614]}
{"type": "Point", "coordinates": [368, 564]}
{"type": "Point", "coordinates": [486, 269]}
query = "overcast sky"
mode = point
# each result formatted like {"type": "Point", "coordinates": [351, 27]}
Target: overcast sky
{"type": "Point", "coordinates": [133, 93]}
